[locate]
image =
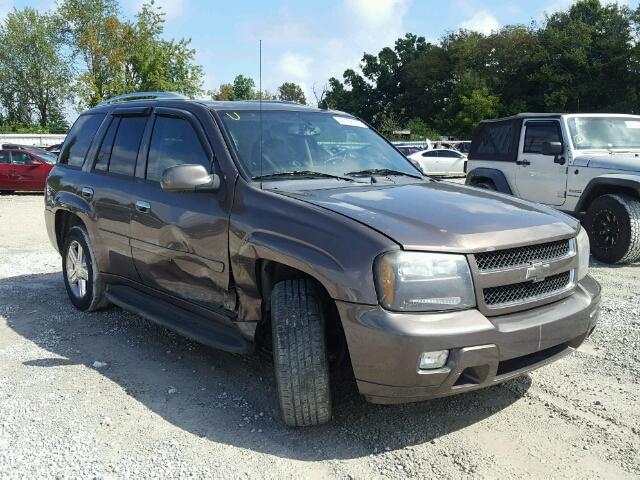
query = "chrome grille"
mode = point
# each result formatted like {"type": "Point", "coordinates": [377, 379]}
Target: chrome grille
{"type": "Point", "coordinates": [514, 257]}
{"type": "Point", "coordinates": [526, 291]}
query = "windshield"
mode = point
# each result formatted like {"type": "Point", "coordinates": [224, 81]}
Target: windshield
{"type": "Point", "coordinates": [309, 142]}
{"type": "Point", "coordinates": [605, 132]}
{"type": "Point", "coordinates": [46, 156]}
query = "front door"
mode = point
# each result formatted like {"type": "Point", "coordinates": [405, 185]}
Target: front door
{"type": "Point", "coordinates": [27, 173]}
{"type": "Point", "coordinates": [538, 177]}
{"type": "Point", "coordinates": [180, 240]}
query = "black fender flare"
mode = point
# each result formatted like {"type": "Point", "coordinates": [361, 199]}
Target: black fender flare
{"type": "Point", "coordinates": [608, 183]}
{"type": "Point", "coordinates": [493, 174]}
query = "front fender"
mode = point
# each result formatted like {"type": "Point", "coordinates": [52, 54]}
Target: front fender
{"type": "Point", "coordinates": [610, 181]}
{"type": "Point", "coordinates": [333, 249]}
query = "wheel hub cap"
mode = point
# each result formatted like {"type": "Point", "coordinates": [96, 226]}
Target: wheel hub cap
{"type": "Point", "coordinates": [606, 229]}
{"type": "Point", "coordinates": [77, 272]}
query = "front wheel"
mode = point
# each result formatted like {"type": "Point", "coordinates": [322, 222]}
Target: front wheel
{"type": "Point", "coordinates": [300, 353]}
{"type": "Point", "coordinates": [613, 225]}
{"type": "Point", "coordinates": [81, 278]}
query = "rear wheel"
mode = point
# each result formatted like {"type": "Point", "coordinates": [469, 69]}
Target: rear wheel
{"type": "Point", "coordinates": [84, 285]}
{"type": "Point", "coordinates": [613, 225]}
{"type": "Point", "coordinates": [485, 185]}
{"type": "Point", "coordinates": [300, 353]}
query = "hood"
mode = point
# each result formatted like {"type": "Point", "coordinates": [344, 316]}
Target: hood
{"type": "Point", "coordinates": [629, 162]}
{"type": "Point", "coordinates": [442, 216]}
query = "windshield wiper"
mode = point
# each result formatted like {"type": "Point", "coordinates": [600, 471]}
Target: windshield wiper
{"type": "Point", "coordinates": [381, 171]}
{"type": "Point", "coordinates": [301, 174]}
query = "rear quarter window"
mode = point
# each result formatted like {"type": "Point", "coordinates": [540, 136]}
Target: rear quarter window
{"type": "Point", "coordinates": [496, 141]}
{"type": "Point", "coordinates": [79, 139]}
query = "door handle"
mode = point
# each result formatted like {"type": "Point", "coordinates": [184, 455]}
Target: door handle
{"type": "Point", "coordinates": [143, 206]}
{"type": "Point", "coordinates": [87, 192]}
{"type": "Point", "coordinates": [523, 162]}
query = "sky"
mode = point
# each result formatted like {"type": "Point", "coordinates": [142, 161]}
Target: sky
{"type": "Point", "coordinates": [307, 42]}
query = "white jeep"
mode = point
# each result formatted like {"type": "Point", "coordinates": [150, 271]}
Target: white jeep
{"type": "Point", "coordinates": [587, 165]}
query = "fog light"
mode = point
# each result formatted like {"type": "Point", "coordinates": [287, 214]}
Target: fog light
{"type": "Point", "coordinates": [431, 360]}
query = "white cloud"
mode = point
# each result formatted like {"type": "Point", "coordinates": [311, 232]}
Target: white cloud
{"type": "Point", "coordinates": [171, 8]}
{"type": "Point", "coordinates": [482, 22]}
{"type": "Point", "coordinates": [294, 67]}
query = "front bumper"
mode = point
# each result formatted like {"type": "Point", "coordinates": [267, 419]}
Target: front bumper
{"type": "Point", "coordinates": [385, 346]}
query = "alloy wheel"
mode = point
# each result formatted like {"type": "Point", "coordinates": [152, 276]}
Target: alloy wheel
{"type": "Point", "coordinates": [77, 272]}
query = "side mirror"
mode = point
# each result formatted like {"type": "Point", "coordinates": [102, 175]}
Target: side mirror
{"type": "Point", "coordinates": [189, 178]}
{"type": "Point", "coordinates": [552, 148]}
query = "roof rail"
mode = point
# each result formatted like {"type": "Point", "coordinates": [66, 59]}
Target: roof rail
{"type": "Point", "coordinates": [130, 97]}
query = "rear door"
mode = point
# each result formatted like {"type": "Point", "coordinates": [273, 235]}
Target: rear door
{"type": "Point", "coordinates": [112, 187]}
{"type": "Point", "coordinates": [180, 240]}
{"type": "Point", "coordinates": [538, 177]}
{"type": "Point", "coordinates": [5, 170]}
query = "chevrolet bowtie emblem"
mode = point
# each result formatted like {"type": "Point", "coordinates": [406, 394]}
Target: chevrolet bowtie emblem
{"type": "Point", "coordinates": [538, 271]}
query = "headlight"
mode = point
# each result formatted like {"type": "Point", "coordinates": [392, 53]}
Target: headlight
{"type": "Point", "coordinates": [419, 282]}
{"type": "Point", "coordinates": [583, 249]}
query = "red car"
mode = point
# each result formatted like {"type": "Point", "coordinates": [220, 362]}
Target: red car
{"type": "Point", "coordinates": [24, 170]}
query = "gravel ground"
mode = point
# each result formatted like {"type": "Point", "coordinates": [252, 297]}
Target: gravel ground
{"type": "Point", "coordinates": [110, 395]}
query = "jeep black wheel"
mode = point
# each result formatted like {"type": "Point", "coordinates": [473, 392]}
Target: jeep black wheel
{"type": "Point", "coordinates": [300, 353]}
{"type": "Point", "coordinates": [613, 225]}
{"type": "Point", "coordinates": [81, 278]}
{"type": "Point", "coordinates": [485, 185]}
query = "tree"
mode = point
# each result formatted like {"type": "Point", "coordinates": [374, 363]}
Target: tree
{"type": "Point", "coordinates": [291, 92]}
{"type": "Point", "coordinates": [34, 71]}
{"type": "Point", "coordinates": [244, 88]}
{"type": "Point", "coordinates": [97, 36]}
{"type": "Point", "coordinates": [224, 92]}
{"type": "Point", "coordinates": [122, 57]}
{"type": "Point", "coordinates": [154, 64]}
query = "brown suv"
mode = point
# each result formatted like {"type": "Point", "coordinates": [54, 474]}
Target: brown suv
{"type": "Point", "coordinates": [303, 231]}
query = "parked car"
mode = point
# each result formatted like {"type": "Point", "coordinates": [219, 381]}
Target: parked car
{"type": "Point", "coordinates": [304, 232]}
{"type": "Point", "coordinates": [587, 165]}
{"type": "Point", "coordinates": [24, 170]}
{"type": "Point", "coordinates": [442, 161]}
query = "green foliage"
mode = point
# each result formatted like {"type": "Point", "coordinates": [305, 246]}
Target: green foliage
{"type": "Point", "coordinates": [34, 72]}
{"type": "Point", "coordinates": [121, 57]}
{"type": "Point", "coordinates": [291, 92]}
{"type": "Point", "coordinates": [420, 130]}
{"type": "Point", "coordinates": [244, 88]}
{"type": "Point", "coordinates": [584, 59]}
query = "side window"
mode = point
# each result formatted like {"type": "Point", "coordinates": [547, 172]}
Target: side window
{"type": "Point", "coordinates": [496, 139]}
{"type": "Point", "coordinates": [79, 139]}
{"type": "Point", "coordinates": [536, 135]}
{"type": "Point", "coordinates": [430, 153]}
{"type": "Point", "coordinates": [5, 157]}
{"type": "Point", "coordinates": [19, 158]}
{"type": "Point", "coordinates": [126, 145]}
{"type": "Point", "coordinates": [450, 154]}
{"type": "Point", "coordinates": [102, 159]}
{"type": "Point", "coordinates": [173, 142]}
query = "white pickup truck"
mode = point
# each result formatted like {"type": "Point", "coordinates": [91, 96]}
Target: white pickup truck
{"type": "Point", "coordinates": [587, 165]}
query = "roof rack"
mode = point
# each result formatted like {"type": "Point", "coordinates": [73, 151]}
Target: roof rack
{"type": "Point", "coordinates": [130, 97]}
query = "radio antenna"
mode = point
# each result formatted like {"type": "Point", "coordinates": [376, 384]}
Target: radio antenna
{"type": "Point", "coordinates": [260, 103]}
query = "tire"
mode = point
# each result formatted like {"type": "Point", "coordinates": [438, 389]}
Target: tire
{"type": "Point", "coordinates": [300, 353]}
{"type": "Point", "coordinates": [485, 185]}
{"type": "Point", "coordinates": [84, 285]}
{"type": "Point", "coordinates": [613, 225]}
